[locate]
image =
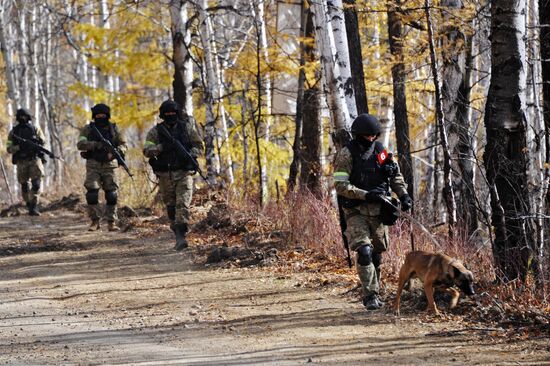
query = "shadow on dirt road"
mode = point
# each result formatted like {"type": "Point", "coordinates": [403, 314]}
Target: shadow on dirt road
{"type": "Point", "coordinates": [68, 296]}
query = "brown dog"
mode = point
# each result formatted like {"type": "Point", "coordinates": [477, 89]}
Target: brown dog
{"type": "Point", "coordinates": [436, 271]}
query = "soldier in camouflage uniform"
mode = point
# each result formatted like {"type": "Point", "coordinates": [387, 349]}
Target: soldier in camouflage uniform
{"type": "Point", "coordinates": [101, 165]}
{"type": "Point", "coordinates": [28, 159]}
{"type": "Point", "coordinates": [174, 170]}
{"type": "Point", "coordinates": [361, 177]}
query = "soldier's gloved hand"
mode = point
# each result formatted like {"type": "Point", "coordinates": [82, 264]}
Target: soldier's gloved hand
{"type": "Point", "coordinates": [406, 202]}
{"type": "Point", "coordinates": [390, 169]}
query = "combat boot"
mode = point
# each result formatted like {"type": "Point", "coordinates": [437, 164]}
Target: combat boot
{"type": "Point", "coordinates": [94, 225]}
{"type": "Point", "coordinates": [180, 230]}
{"type": "Point", "coordinates": [33, 209]}
{"type": "Point", "coordinates": [371, 302]}
{"type": "Point", "coordinates": [111, 226]}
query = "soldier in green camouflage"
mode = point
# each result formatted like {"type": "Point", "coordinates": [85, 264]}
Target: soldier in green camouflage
{"type": "Point", "coordinates": [362, 175]}
{"type": "Point", "coordinates": [101, 165]}
{"type": "Point", "coordinates": [174, 170]}
{"type": "Point", "coordinates": [28, 159]}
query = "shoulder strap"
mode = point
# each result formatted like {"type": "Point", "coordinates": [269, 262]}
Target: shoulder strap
{"type": "Point", "coordinates": [378, 147]}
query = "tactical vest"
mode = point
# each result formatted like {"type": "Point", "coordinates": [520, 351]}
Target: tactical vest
{"type": "Point", "coordinates": [366, 172]}
{"type": "Point", "coordinates": [109, 132]}
{"type": "Point", "coordinates": [170, 159]}
{"type": "Point", "coordinates": [26, 152]}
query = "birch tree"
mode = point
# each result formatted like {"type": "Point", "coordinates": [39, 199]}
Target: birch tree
{"type": "Point", "coordinates": [333, 88]}
{"type": "Point", "coordinates": [209, 75]}
{"type": "Point", "coordinates": [504, 157]}
{"type": "Point", "coordinates": [341, 56]}
{"type": "Point", "coordinates": [183, 64]}
{"type": "Point", "coordinates": [395, 32]}
{"type": "Point", "coordinates": [263, 84]}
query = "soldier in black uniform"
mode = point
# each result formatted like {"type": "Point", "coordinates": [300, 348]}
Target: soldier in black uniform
{"type": "Point", "coordinates": [363, 174]}
{"type": "Point", "coordinates": [28, 159]}
{"type": "Point", "coordinates": [174, 170]}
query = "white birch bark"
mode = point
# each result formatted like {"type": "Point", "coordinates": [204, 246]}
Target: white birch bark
{"type": "Point", "coordinates": [341, 56]}
{"type": "Point", "coordinates": [23, 50]}
{"type": "Point", "coordinates": [209, 75]}
{"type": "Point", "coordinates": [259, 17]}
{"type": "Point", "coordinates": [12, 90]}
{"type": "Point", "coordinates": [335, 97]}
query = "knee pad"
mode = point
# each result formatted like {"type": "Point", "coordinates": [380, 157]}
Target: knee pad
{"type": "Point", "coordinates": [171, 211]}
{"type": "Point", "coordinates": [92, 196]}
{"type": "Point", "coordinates": [364, 255]}
{"type": "Point", "coordinates": [35, 185]}
{"type": "Point", "coordinates": [25, 187]}
{"type": "Point", "coordinates": [376, 259]}
{"type": "Point", "coordinates": [111, 197]}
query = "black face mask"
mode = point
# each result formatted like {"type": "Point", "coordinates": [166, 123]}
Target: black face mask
{"type": "Point", "coordinates": [23, 119]}
{"type": "Point", "coordinates": [364, 142]}
{"type": "Point", "coordinates": [101, 121]}
{"type": "Point", "coordinates": [171, 119]}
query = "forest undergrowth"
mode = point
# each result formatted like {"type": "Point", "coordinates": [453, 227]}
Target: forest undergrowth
{"type": "Point", "coordinates": [301, 234]}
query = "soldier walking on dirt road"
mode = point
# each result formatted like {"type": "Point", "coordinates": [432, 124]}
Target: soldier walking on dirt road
{"type": "Point", "coordinates": [363, 172]}
{"type": "Point", "coordinates": [22, 143]}
{"type": "Point", "coordinates": [172, 148]}
{"type": "Point", "coordinates": [101, 164]}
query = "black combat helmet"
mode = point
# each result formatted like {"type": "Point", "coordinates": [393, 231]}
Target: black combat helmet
{"type": "Point", "coordinates": [168, 106]}
{"type": "Point", "coordinates": [101, 109]}
{"type": "Point", "coordinates": [365, 124]}
{"type": "Point", "coordinates": [21, 114]}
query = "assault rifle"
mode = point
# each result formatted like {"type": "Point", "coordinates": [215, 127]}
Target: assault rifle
{"type": "Point", "coordinates": [341, 138]}
{"type": "Point", "coordinates": [113, 150]}
{"type": "Point", "coordinates": [37, 147]}
{"type": "Point", "coordinates": [181, 150]}
{"type": "Point", "coordinates": [343, 227]}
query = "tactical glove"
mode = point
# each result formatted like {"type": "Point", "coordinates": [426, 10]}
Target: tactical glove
{"type": "Point", "coordinates": [406, 202]}
{"type": "Point", "coordinates": [390, 169]}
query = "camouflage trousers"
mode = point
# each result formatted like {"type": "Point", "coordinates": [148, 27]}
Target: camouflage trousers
{"type": "Point", "coordinates": [27, 172]}
{"type": "Point", "coordinates": [364, 227]}
{"type": "Point", "coordinates": [101, 175]}
{"type": "Point", "coordinates": [176, 189]}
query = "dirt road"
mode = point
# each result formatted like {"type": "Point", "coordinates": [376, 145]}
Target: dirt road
{"type": "Point", "coordinates": [72, 297]}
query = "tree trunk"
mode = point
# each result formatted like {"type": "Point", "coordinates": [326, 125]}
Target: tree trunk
{"type": "Point", "coordinates": [208, 74]}
{"type": "Point", "coordinates": [264, 88]}
{"type": "Point", "coordinates": [342, 57]}
{"type": "Point", "coordinates": [448, 191]}
{"type": "Point", "coordinates": [455, 91]}
{"type": "Point", "coordinates": [334, 91]}
{"type": "Point", "coordinates": [505, 159]}
{"type": "Point", "coordinates": [183, 67]}
{"type": "Point", "coordinates": [465, 146]}
{"type": "Point", "coordinates": [310, 176]}
{"type": "Point", "coordinates": [544, 22]}
{"type": "Point", "coordinates": [296, 145]}
{"type": "Point", "coordinates": [395, 31]}
{"type": "Point", "coordinates": [355, 56]}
